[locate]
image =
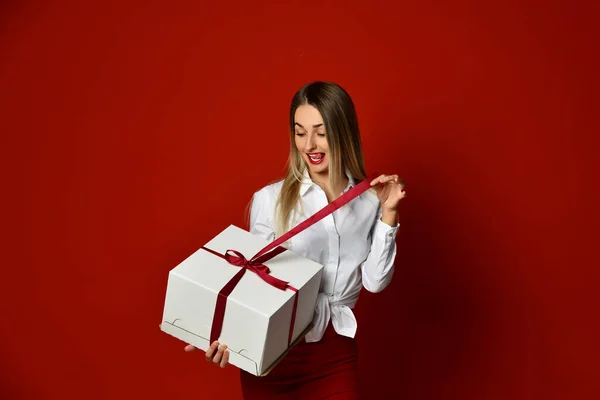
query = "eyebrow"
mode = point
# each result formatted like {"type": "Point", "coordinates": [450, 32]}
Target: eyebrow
{"type": "Point", "coordinates": [314, 126]}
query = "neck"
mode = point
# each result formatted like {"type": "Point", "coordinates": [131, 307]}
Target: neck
{"type": "Point", "coordinates": [322, 180]}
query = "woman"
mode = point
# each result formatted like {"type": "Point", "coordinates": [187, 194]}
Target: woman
{"type": "Point", "coordinates": [356, 244]}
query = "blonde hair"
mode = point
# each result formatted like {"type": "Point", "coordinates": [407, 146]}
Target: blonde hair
{"type": "Point", "coordinates": [343, 136]}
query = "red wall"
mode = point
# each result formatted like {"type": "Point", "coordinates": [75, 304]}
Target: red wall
{"type": "Point", "coordinates": [133, 133]}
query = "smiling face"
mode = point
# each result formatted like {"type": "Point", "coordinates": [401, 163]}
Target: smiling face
{"type": "Point", "coordinates": [311, 139]}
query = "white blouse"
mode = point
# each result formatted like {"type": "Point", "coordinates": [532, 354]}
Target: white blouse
{"type": "Point", "coordinates": [355, 247]}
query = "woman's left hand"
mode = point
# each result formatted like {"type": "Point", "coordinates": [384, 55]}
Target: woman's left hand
{"type": "Point", "coordinates": [390, 190]}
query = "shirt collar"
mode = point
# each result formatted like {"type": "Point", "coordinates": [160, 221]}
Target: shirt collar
{"type": "Point", "coordinates": [307, 182]}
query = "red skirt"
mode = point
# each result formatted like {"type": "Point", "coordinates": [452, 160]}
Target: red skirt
{"type": "Point", "coordinates": [325, 369]}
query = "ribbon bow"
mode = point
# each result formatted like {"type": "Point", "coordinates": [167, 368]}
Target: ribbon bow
{"type": "Point", "coordinates": [255, 266]}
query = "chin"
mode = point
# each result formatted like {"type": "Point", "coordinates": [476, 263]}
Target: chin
{"type": "Point", "coordinates": [318, 168]}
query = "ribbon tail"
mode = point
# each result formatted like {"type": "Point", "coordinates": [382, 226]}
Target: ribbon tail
{"type": "Point", "coordinates": [217, 324]}
{"type": "Point", "coordinates": [325, 211]}
{"type": "Point", "coordinates": [269, 255]}
{"type": "Point", "coordinates": [273, 281]}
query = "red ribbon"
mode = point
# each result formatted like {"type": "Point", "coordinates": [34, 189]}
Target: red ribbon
{"type": "Point", "coordinates": [255, 264]}
{"type": "Point", "coordinates": [259, 269]}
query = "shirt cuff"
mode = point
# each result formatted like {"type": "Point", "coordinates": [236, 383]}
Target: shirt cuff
{"type": "Point", "coordinates": [384, 231]}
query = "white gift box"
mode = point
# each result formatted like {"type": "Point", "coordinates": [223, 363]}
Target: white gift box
{"type": "Point", "coordinates": [258, 316]}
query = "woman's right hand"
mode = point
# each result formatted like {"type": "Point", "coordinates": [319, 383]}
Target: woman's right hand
{"type": "Point", "coordinates": [221, 357]}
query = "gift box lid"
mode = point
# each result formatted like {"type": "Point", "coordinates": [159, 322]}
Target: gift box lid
{"type": "Point", "coordinates": [212, 272]}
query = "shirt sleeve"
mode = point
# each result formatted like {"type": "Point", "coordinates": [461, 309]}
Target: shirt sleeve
{"type": "Point", "coordinates": [378, 268]}
{"type": "Point", "coordinates": [261, 215]}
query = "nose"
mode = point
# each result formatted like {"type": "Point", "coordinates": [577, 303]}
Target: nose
{"type": "Point", "coordinates": [310, 143]}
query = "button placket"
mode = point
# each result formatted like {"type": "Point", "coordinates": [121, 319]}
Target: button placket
{"type": "Point", "coordinates": [341, 214]}
{"type": "Point", "coordinates": [333, 253]}
{"type": "Point", "coordinates": [333, 239]}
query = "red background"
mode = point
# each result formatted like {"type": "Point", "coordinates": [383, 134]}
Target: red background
{"type": "Point", "coordinates": [132, 133]}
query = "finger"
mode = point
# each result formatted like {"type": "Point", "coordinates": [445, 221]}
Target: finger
{"type": "Point", "coordinates": [401, 182]}
{"type": "Point", "coordinates": [225, 359]}
{"type": "Point", "coordinates": [387, 179]}
{"type": "Point", "coordinates": [217, 358]}
{"type": "Point", "coordinates": [211, 350]}
{"type": "Point", "coordinates": [390, 178]}
{"type": "Point", "coordinates": [383, 179]}
{"type": "Point", "coordinates": [377, 180]}
{"type": "Point", "coordinates": [189, 348]}
{"type": "Point", "coordinates": [396, 179]}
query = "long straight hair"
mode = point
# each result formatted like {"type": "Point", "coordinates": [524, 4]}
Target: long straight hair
{"type": "Point", "coordinates": [345, 147]}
